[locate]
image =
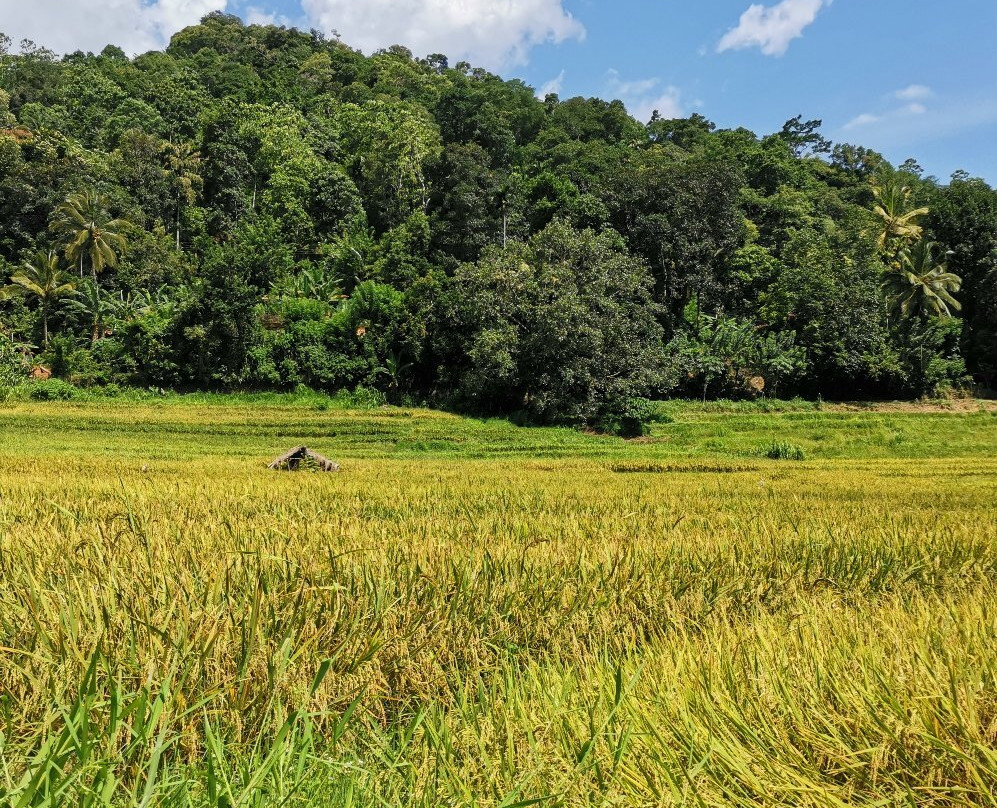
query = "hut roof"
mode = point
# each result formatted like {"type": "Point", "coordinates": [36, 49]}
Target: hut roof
{"type": "Point", "coordinates": [293, 460]}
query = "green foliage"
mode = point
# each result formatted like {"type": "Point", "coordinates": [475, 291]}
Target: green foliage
{"type": "Point", "coordinates": [835, 307]}
{"type": "Point", "coordinates": [628, 417]}
{"type": "Point", "coordinates": [52, 390]}
{"type": "Point", "coordinates": [88, 232]}
{"type": "Point", "coordinates": [143, 351]}
{"type": "Point", "coordinates": [899, 220]}
{"type": "Point", "coordinates": [930, 356]}
{"type": "Point", "coordinates": [963, 218]}
{"type": "Point", "coordinates": [13, 369]}
{"type": "Point", "coordinates": [561, 328]}
{"type": "Point", "coordinates": [215, 327]}
{"type": "Point", "coordinates": [363, 398]}
{"type": "Point", "coordinates": [388, 146]}
{"type": "Point", "coordinates": [310, 342]}
{"type": "Point", "coordinates": [780, 450]}
{"type": "Point", "coordinates": [734, 358]}
{"type": "Point", "coordinates": [917, 284]}
{"type": "Point", "coordinates": [279, 209]}
{"type": "Point", "coordinates": [41, 279]}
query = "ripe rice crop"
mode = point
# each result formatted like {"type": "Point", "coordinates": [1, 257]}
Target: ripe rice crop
{"type": "Point", "coordinates": [473, 614]}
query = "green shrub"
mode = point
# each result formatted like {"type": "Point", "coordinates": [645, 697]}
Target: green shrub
{"type": "Point", "coordinates": [363, 398]}
{"type": "Point", "coordinates": [53, 390]}
{"type": "Point", "coordinates": [629, 417]}
{"type": "Point", "coordinates": [780, 450]}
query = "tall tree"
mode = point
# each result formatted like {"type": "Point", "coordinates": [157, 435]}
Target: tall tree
{"type": "Point", "coordinates": [42, 279]}
{"type": "Point", "coordinates": [563, 328]}
{"type": "Point", "coordinates": [964, 219]}
{"type": "Point", "coordinates": [183, 162]}
{"type": "Point", "coordinates": [89, 231]}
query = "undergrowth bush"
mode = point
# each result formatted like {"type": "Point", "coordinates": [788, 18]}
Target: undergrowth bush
{"type": "Point", "coordinates": [52, 390]}
{"type": "Point", "coordinates": [781, 450]}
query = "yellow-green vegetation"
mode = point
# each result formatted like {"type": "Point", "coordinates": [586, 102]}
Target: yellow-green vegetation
{"type": "Point", "coordinates": [474, 614]}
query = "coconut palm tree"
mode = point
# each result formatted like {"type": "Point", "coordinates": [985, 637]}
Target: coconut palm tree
{"type": "Point", "coordinates": [899, 222]}
{"type": "Point", "coordinates": [918, 284]}
{"type": "Point", "coordinates": [183, 161]}
{"type": "Point", "coordinates": [88, 230]}
{"type": "Point", "coordinates": [43, 280]}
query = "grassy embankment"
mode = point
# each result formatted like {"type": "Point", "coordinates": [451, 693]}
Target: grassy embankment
{"type": "Point", "coordinates": [476, 614]}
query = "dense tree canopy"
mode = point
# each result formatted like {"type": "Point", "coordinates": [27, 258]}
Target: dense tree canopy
{"type": "Point", "coordinates": [259, 207]}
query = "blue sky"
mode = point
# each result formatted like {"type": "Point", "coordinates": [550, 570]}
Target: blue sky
{"type": "Point", "coordinates": [908, 78]}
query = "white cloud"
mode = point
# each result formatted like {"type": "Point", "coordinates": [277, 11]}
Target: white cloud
{"type": "Point", "coordinates": [901, 130]}
{"type": "Point", "coordinates": [772, 28]}
{"type": "Point", "coordinates": [553, 86]}
{"type": "Point", "coordinates": [896, 115]}
{"type": "Point", "coordinates": [916, 92]}
{"type": "Point", "coordinates": [643, 96]}
{"type": "Point", "coordinates": [485, 32]}
{"type": "Point", "coordinates": [859, 121]}
{"type": "Point", "coordinates": [668, 105]}
{"type": "Point", "coordinates": [258, 16]}
{"type": "Point", "coordinates": [631, 89]}
{"type": "Point", "coordinates": [134, 25]}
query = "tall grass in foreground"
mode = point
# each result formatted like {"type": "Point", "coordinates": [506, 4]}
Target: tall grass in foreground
{"type": "Point", "coordinates": [497, 634]}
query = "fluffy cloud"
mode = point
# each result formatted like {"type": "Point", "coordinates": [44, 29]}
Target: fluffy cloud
{"type": "Point", "coordinates": [865, 119]}
{"type": "Point", "coordinates": [912, 107]}
{"type": "Point", "coordinates": [643, 96]}
{"type": "Point", "coordinates": [134, 25]}
{"type": "Point", "coordinates": [772, 28]}
{"type": "Point", "coordinates": [899, 130]}
{"type": "Point", "coordinates": [259, 16]}
{"type": "Point", "coordinates": [485, 32]}
{"type": "Point", "coordinates": [916, 92]}
{"type": "Point", "coordinates": [552, 86]}
{"type": "Point", "coordinates": [901, 116]}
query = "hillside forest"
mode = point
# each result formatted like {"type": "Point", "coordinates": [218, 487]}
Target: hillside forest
{"type": "Point", "coordinates": [262, 208]}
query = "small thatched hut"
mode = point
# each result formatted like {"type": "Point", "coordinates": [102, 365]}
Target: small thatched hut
{"type": "Point", "coordinates": [303, 458]}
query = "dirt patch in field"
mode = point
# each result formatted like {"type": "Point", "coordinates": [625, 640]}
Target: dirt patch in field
{"type": "Point", "coordinates": [955, 406]}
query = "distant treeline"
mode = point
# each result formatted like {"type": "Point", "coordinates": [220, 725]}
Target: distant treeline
{"type": "Point", "coordinates": [261, 208]}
